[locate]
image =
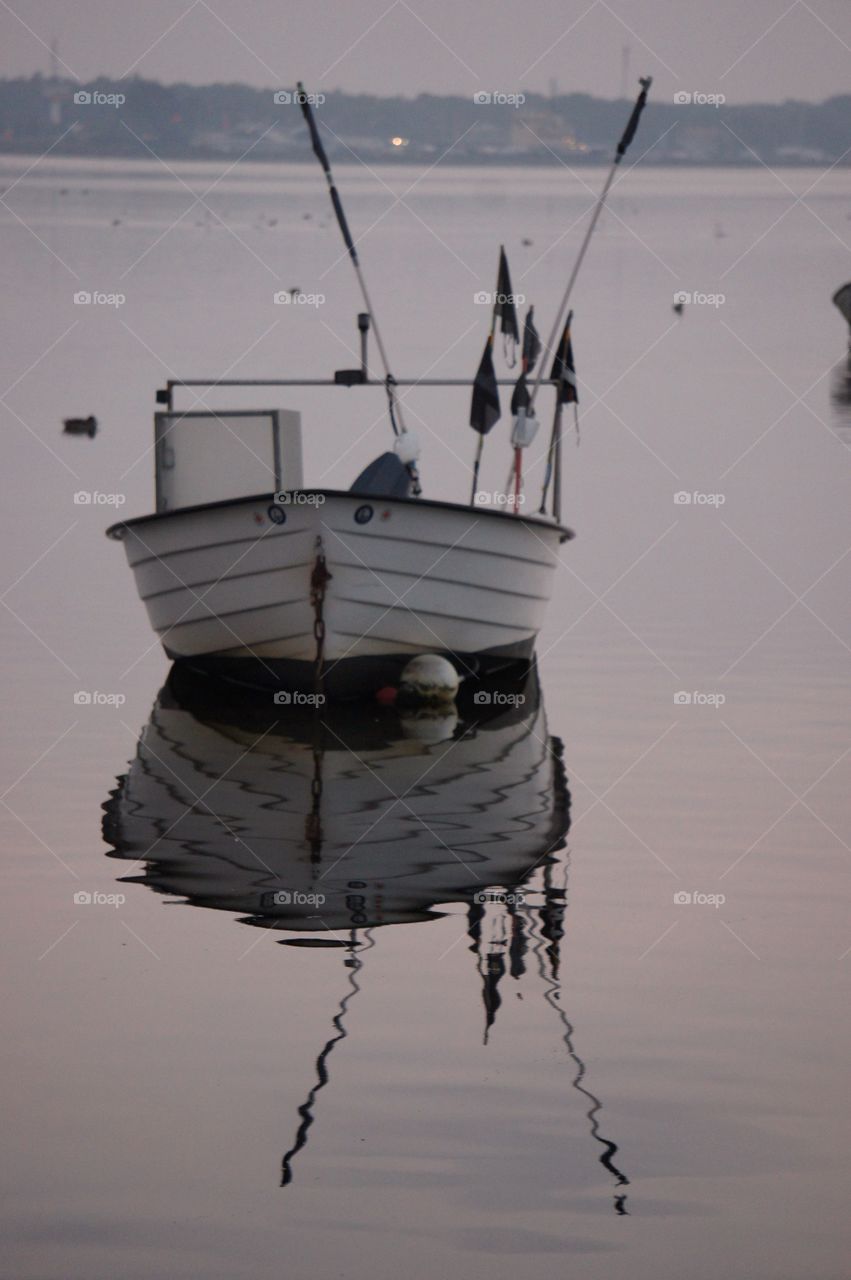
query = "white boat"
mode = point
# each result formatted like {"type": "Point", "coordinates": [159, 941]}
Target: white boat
{"type": "Point", "coordinates": [248, 575]}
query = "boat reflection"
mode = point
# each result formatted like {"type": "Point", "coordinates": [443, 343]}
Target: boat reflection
{"type": "Point", "coordinates": [326, 824]}
{"type": "Point", "coordinates": [840, 394]}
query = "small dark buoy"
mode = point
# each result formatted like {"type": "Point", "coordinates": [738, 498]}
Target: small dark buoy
{"type": "Point", "coordinates": [81, 426]}
{"type": "Point", "coordinates": [679, 307]}
{"type": "Point", "coordinates": [116, 222]}
{"type": "Point", "coordinates": [272, 222]}
{"type": "Point", "coordinates": [526, 243]}
{"type": "Point", "coordinates": [307, 216]}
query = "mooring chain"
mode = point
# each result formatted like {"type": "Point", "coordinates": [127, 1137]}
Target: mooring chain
{"type": "Point", "coordinates": [313, 820]}
{"type": "Point", "coordinates": [319, 579]}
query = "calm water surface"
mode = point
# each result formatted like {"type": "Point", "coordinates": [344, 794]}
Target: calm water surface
{"type": "Point", "coordinates": [634, 1063]}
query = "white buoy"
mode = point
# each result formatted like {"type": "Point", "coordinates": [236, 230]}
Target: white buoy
{"type": "Point", "coordinates": [429, 678]}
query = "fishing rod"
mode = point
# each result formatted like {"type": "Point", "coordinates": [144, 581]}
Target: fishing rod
{"type": "Point", "coordinates": [626, 139]}
{"type": "Point", "coordinates": [395, 406]}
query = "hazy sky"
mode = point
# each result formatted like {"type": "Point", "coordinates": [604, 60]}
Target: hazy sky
{"type": "Point", "coordinates": [750, 50]}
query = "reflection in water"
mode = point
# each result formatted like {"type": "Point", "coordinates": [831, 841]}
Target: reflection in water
{"type": "Point", "coordinates": [840, 393]}
{"type": "Point", "coordinates": [354, 963]}
{"type": "Point", "coordinates": [329, 825]}
{"type": "Point", "coordinates": [552, 995]}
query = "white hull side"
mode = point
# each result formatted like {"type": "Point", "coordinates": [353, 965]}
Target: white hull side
{"type": "Point", "coordinates": [228, 581]}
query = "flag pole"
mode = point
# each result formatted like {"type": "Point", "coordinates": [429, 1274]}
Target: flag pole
{"type": "Point", "coordinates": [564, 364]}
{"type": "Point", "coordinates": [477, 462]}
{"type": "Point", "coordinates": [553, 462]}
{"type": "Point", "coordinates": [626, 139]}
{"type": "Point", "coordinates": [517, 462]}
{"type": "Point", "coordinates": [395, 405]}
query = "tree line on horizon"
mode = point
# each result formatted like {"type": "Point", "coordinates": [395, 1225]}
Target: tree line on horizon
{"type": "Point", "coordinates": [187, 120]}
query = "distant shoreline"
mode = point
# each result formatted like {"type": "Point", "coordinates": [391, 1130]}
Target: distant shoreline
{"type": "Point", "coordinates": [580, 161]}
{"type": "Point", "coordinates": [123, 119]}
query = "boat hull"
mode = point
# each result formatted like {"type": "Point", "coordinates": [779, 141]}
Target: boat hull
{"type": "Point", "coordinates": [228, 586]}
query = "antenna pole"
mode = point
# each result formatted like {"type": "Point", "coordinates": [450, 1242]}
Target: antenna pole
{"type": "Point", "coordinates": [626, 139]}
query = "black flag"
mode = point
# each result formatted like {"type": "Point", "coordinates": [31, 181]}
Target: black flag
{"type": "Point", "coordinates": [563, 370]}
{"type": "Point", "coordinates": [504, 308]}
{"type": "Point", "coordinates": [520, 395]}
{"type": "Point", "coordinates": [531, 342]}
{"type": "Point", "coordinates": [842, 299]}
{"type": "Point", "coordinates": [484, 407]}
